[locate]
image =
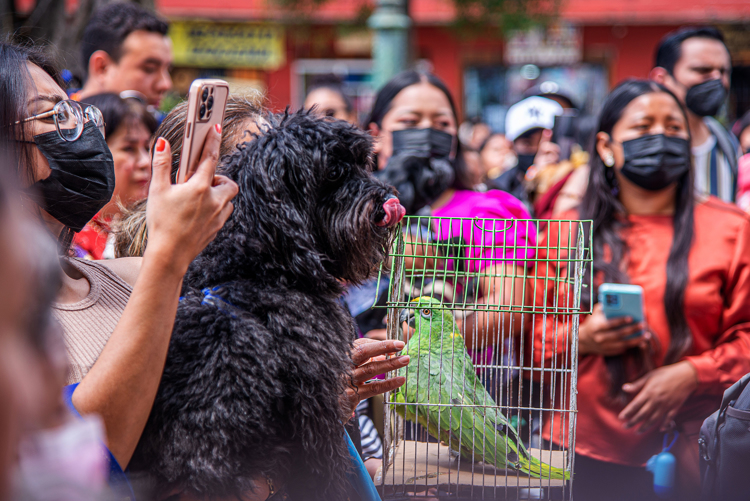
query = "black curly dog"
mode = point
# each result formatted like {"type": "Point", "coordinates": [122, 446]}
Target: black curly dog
{"type": "Point", "coordinates": [260, 355]}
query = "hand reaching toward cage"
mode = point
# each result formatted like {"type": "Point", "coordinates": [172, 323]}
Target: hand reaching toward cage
{"type": "Point", "coordinates": [609, 338]}
{"type": "Point", "coordinates": [369, 359]}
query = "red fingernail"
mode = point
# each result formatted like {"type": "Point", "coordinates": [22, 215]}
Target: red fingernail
{"type": "Point", "coordinates": [160, 144]}
{"type": "Point", "coordinates": [218, 128]}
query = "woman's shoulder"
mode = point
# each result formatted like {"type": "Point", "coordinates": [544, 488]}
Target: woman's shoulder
{"type": "Point", "coordinates": [721, 229]}
{"type": "Point", "coordinates": [126, 268]}
{"type": "Point", "coordinates": [716, 215]}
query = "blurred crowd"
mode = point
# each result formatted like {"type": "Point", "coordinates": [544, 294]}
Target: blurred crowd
{"type": "Point", "coordinates": [101, 239]}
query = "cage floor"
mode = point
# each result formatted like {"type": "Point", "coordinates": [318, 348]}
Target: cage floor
{"type": "Point", "coordinates": [418, 466]}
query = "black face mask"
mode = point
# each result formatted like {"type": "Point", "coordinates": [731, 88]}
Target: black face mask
{"type": "Point", "coordinates": [525, 161]}
{"type": "Point", "coordinates": [420, 168]}
{"type": "Point", "coordinates": [654, 162]}
{"type": "Point", "coordinates": [82, 179]}
{"type": "Point", "coordinates": [705, 99]}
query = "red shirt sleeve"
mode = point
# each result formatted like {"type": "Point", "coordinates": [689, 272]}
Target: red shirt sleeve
{"type": "Point", "coordinates": [729, 359]}
{"type": "Point", "coordinates": [549, 338]}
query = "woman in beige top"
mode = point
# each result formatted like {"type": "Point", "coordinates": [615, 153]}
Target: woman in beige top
{"type": "Point", "coordinates": [118, 314]}
{"type": "Point", "coordinates": [122, 382]}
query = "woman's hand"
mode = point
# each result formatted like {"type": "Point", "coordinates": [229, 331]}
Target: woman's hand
{"type": "Point", "coordinates": [658, 396]}
{"type": "Point", "coordinates": [183, 218]}
{"type": "Point", "coordinates": [609, 338]}
{"type": "Point", "coordinates": [369, 360]}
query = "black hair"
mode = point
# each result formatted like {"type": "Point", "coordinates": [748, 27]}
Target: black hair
{"type": "Point", "coordinates": [14, 82]}
{"type": "Point", "coordinates": [109, 26]}
{"type": "Point", "coordinates": [334, 84]}
{"type": "Point", "coordinates": [117, 111]}
{"type": "Point", "coordinates": [15, 141]}
{"type": "Point", "coordinates": [669, 50]}
{"type": "Point", "coordinates": [600, 204]}
{"type": "Point", "coordinates": [744, 123]}
{"type": "Point", "coordinates": [529, 133]}
{"type": "Point", "coordinates": [388, 93]}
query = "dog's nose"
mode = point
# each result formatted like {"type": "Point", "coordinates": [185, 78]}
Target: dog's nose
{"type": "Point", "coordinates": [394, 212]}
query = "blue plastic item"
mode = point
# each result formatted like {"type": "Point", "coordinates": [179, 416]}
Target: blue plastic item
{"type": "Point", "coordinates": [663, 467]}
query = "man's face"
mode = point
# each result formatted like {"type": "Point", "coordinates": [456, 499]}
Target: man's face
{"type": "Point", "coordinates": [701, 59]}
{"type": "Point", "coordinates": [143, 66]}
{"type": "Point", "coordinates": [528, 144]}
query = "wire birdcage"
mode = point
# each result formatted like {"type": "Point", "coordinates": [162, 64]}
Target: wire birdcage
{"type": "Point", "coordinates": [488, 410]}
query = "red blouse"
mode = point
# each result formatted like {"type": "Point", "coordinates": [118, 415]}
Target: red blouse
{"type": "Point", "coordinates": [717, 308]}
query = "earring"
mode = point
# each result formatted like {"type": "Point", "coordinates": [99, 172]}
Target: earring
{"type": "Point", "coordinates": [609, 160]}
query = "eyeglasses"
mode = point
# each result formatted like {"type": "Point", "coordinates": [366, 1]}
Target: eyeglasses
{"type": "Point", "coordinates": [70, 118]}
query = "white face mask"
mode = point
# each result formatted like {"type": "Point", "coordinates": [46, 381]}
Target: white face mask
{"type": "Point", "coordinates": [63, 464]}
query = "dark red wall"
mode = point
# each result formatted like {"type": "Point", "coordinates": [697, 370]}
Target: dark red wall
{"type": "Point", "coordinates": [629, 50]}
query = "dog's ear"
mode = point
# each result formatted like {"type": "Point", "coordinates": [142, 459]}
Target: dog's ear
{"type": "Point", "coordinates": [270, 211]}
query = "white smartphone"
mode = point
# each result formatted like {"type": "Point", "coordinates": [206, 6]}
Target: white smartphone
{"type": "Point", "coordinates": [207, 101]}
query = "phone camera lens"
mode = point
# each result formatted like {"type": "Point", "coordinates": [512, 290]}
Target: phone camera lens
{"type": "Point", "coordinates": [210, 102]}
{"type": "Point", "coordinates": [203, 110]}
{"type": "Point", "coordinates": [205, 93]}
{"type": "Point", "coordinates": [612, 300]}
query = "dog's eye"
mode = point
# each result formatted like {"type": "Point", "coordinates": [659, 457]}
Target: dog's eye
{"type": "Point", "coordinates": [335, 173]}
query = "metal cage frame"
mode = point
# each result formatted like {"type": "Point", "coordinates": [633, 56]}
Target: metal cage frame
{"type": "Point", "coordinates": [421, 257]}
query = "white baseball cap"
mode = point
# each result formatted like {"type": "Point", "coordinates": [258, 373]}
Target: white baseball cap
{"type": "Point", "coordinates": [532, 113]}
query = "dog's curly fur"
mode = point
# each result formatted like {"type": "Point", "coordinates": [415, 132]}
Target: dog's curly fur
{"type": "Point", "coordinates": [254, 379]}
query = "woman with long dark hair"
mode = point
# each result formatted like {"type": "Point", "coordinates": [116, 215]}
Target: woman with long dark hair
{"type": "Point", "coordinates": [692, 257]}
{"type": "Point", "coordinates": [415, 125]}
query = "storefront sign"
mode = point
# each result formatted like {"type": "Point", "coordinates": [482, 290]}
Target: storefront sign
{"type": "Point", "coordinates": [556, 45]}
{"type": "Point", "coordinates": [227, 45]}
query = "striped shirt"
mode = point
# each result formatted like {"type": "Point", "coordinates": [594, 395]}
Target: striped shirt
{"type": "Point", "coordinates": [372, 447]}
{"type": "Point", "coordinates": [714, 174]}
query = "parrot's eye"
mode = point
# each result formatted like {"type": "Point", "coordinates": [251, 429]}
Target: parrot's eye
{"type": "Point", "coordinates": [426, 312]}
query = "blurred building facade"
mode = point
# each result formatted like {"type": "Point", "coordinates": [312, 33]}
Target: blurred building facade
{"type": "Point", "coordinates": [595, 44]}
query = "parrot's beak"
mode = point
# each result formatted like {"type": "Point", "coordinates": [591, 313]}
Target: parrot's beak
{"type": "Point", "coordinates": [407, 316]}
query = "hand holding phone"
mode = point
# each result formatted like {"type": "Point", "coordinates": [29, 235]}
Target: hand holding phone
{"type": "Point", "coordinates": [622, 300]}
{"type": "Point", "coordinates": [548, 152]}
{"type": "Point", "coordinates": [207, 101]}
{"type": "Point", "coordinates": [616, 327]}
{"type": "Point", "coordinates": [565, 132]}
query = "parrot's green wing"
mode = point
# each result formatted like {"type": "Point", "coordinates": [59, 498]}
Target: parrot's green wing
{"type": "Point", "coordinates": [466, 418]}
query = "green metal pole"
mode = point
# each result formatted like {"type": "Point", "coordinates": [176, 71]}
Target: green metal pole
{"type": "Point", "coordinates": [390, 49]}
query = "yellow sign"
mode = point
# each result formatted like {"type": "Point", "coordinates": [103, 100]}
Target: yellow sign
{"type": "Point", "coordinates": [227, 45]}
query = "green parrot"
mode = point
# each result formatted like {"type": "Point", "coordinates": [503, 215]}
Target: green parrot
{"type": "Point", "coordinates": [441, 372]}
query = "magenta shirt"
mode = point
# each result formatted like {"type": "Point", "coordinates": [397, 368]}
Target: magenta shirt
{"type": "Point", "coordinates": [514, 241]}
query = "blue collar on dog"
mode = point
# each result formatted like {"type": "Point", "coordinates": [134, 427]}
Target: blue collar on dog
{"type": "Point", "coordinates": [211, 297]}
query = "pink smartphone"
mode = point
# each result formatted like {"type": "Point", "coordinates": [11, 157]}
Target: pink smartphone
{"type": "Point", "coordinates": [207, 101]}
